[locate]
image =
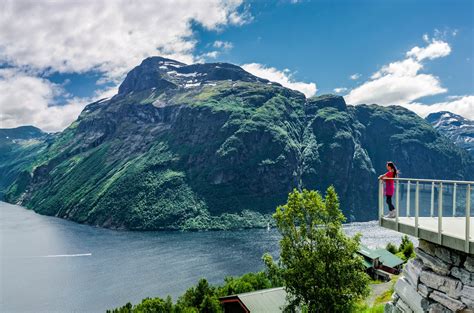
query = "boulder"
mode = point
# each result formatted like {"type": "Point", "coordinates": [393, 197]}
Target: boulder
{"type": "Point", "coordinates": [464, 275]}
{"type": "Point", "coordinates": [424, 290]}
{"type": "Point", "coordinates": [390, 307]}
{"type": "Point", "coordinates": [445, 284]}
{"type": "Point", "coordinates": [469, 263]}
{"type": "Point", "coordinates": [448, 255]}
{"type": "Point", "coordinates": [447, 301]}
{"type": "Point", "coordinates": [427, 247]}
{"type": "Point", "coordinates": [434, 263]}
{"type": "Point", "coordinates": [408, 295]}
{"type": "Point", "coordinates": [403, 307]}
{"type": "Point", "coordinates": [468, 302]}
{"type": "Point", "coordinates": [467, 292]}
{"type": "Point", "coordinates": [395, 297]}
{"type": "Point", "coordinates": [438, 308]}
{"type": "Point", "coordinates": [412, 271]}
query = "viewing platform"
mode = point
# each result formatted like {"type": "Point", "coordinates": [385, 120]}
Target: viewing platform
{"type": "Point", "coordinates": [438, 211]}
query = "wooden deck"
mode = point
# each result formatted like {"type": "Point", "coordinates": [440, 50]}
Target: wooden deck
{"type": "Point", "coordinates": [453, 232]}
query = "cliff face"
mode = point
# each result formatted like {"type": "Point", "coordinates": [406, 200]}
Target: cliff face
{"type": "Point", "coordinates": [212, 146]}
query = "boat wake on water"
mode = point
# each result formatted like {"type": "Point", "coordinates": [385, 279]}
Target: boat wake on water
{"type": "Point", "coordinates": [64, 255]}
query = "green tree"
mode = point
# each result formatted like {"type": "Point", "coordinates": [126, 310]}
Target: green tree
{"type": "Point", "coordinates": [202, 298]}
{"type": "Point", "coordinates": [406, 250]}
{"type": "Point", "coordinates": [273, 271]}
{"type": "Point", "coordinates": [154, 305]}
{"type": "Point", "coordinates": [320, 265]}
{"type": "Point", "coordinates": [245, 283]}
{"type": "Point", "coordinates": [391, 248]}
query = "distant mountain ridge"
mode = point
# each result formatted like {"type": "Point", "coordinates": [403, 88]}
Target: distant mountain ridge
{"type": "Point", "coordinates": [19, 147]}
{"type": "Point", "coordinates": [211, 146]}
{"type": "Point", "coordinates": [459, 129]}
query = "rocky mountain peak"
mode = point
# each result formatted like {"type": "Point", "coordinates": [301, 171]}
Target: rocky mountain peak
{"type": "Point", "coordinates": [459, 129]}
{"type": "Point", "coordinates": [316, 103]}
{"type": "Point", "coordinates": [446, 117]}
{"type": "Point", "coordinates": [163, 73]}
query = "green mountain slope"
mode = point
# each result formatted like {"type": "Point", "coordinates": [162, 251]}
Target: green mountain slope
{"type": "Point", "coordinates": [19, 147]}
{"type": "Point", "coordinates": [212, 146]}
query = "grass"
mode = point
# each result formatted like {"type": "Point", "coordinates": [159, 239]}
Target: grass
{"type": "Point", "coordinates": [379, 308]}
{"type": "Point", "coordinates": [385, 296]}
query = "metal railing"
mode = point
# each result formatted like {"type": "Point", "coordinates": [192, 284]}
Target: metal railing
{"type": "Point", "coordinates": [430, 194]}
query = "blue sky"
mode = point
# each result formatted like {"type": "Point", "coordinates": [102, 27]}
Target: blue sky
{"type": "Point", "coordinates": [312, 46]}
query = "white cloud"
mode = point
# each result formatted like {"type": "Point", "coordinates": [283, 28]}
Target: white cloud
{"type": "Point", "coordinates": [28, 100]}
{"type": "Point", "coordinates": [407, 67]}
{"type": "Point", "coordinates": [463, 106]}
{"type": "Point", "coordinates": [210, 55]}
{"type": "Point", "coordinates": [401, 82]}
{"type": "Point", "coordinates": [283, 77]}
{"type": "Point", "coordinates": [395, 90]}
{"type": "Point", "coordinates": [225, 45]}
{"type": "Point", "coordinates": [340, 89]}
{"type": "Point", "coordinates": [355, 76]}
{"type": "Point", "coordinates": [108, 36]}
{"type": "Point", "coordinates": [436, 49]}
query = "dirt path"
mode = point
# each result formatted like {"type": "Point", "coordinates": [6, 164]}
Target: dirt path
{"type": "Point", "coordinates": [377, 290]}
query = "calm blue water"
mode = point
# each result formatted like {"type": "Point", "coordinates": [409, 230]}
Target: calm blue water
{"type": "Point", "coordinates": [52, 265]}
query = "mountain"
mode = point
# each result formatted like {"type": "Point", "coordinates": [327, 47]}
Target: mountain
{"type": "Point", "coordinates": [457, 128]}
{"type": "Point", "coordinates": [19, 147]}
{"type": "Point", "coordinates": [211, 146]}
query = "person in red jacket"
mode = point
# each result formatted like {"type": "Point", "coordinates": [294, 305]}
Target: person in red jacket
{"type": "Point", "coordinates": [389, 187]}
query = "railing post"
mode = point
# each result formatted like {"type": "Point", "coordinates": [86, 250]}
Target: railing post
{"type": "Point", "coordinates": [454, 199]}
{"type": "Point", "coordinates": [432, 199]}
{"type": "Point", "coordinates": [397, 202]}
{"type": "Point", "coordinates": [440, 213]}
{"type": "Point", "coordinates": [468, 218]}
{"type": "Point", "coordinates": [417, 207]}
{"type": "Point", "coordinates": [408, 199]}
{"type": "Point", "coordinates": [380, 201]}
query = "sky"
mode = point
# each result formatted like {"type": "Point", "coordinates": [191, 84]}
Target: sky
{"type": "Point", "coordinates": [56, 57]}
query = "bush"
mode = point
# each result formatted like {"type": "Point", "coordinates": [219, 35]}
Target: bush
{"type": "Point", "coordinates": [391, 248]}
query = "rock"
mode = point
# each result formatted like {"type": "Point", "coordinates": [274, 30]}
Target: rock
{"type": "Point", "coordinates": [437, 265]}
{"type": "Point", "coordinates": [409, 295]}
{"type": "Point", "coordinates": [448, 255]}
{"type": "Point", "coordinates": [438, 308]}
{"type": "Point", "coordinates": [424, 290]}
{"type": "Point", "coordinates": [467, 292]}
{"type": "Point", "coordinates": [427, 247]}
{"type": "Point", "coordinates": [469, 263]}
{"type": "Point", "coordinates": [446, 284]}
{"type": "Point", "coordinates": [444, 299]}
{"type": "Point", "coordinates": [425, 304]}
{"type": "Point", "coordinates": [468, 302]}
{"type": "Point", "coordinates": [390, 307]}
{"type": "Point", "coordinates": [464, 275]}
{"type": "Point", "coordinates": [412, 271]}
{"type": "Point", "coordinates": [395, 297]}
{"type": "Point", "coordinates": [403, 306]}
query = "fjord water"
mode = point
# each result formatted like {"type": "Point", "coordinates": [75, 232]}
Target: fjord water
{"type": "Point", "coordinates": [49, 264]}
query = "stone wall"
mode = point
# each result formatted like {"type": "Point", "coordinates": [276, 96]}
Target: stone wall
{"type": "Point", "coordinates": [438, 280]}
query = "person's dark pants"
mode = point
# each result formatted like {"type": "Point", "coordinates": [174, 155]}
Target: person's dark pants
{"type": "Point", "coordinates": [389, 202]}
